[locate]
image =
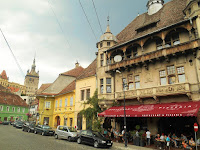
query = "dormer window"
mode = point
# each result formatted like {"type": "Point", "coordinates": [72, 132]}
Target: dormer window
{"type": "Point", "coordinates": [189, 11]}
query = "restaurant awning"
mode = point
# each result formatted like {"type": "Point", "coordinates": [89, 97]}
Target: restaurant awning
{"type": "Point", "coordinates": [181, 109]}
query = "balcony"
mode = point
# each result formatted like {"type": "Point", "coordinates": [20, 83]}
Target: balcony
{"type": "Point", "coordinates": [175, 89]}
{"type": "Point", "coordinates": [155, 55]}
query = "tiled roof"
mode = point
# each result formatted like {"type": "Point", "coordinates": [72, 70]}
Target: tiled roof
{"type": "Point", "coordinates": [74, 72]}
{"type": "Point", "coordinates": [43, 87]}
{"type": "Point", "coordinates": [170, 13]}
{"type": "Point", "coordinates": [13, 89]}
{"type": "Point", "coordinates": [3, 75]}
{"type": "Point", "coordinates": [11, 99]}
{"type": "Point", "coordinates": [89, 71]}
{"type": "Point", "coordinates": [69, 88]}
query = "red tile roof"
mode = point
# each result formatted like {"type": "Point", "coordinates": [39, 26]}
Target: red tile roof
{"type": "Point", "coordinates": [170, 13]}
{"type": "Point", "coordinates": [89, 71]}
{"type": "Point", "coordinates": [11, 99]}
{"type": "Point", "coordinates": [3, 75]}
{"type": "Point", "coordinates": [13, 89]}
{"type": "Point", "coordinates": [43, 87]}
{"type": "Point", "coordinates": [69, 88]}
{"type": "Point", "coordinates": [74, 72]}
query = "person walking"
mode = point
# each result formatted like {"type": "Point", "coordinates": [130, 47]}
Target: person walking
{"type": "Point", "coordinates": [148, 137]}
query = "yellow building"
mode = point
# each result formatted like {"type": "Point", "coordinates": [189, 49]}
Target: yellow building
{"type": "Point", "coordinates": [52, 107]}
{"type": "Point", "coordinates": [85, 88]}
{"type": "Point", "coordinates": [64, 107]}
{"type": "Point", "coordinates": [4, 81]}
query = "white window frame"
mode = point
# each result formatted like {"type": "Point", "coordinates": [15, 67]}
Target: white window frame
{"type": "Point", "coordinates": [66, 102]}
{"type": "Point", "coordinates": [47, 104]}
{"type": "Point", "coordinates": [56, 104]}
{"type": "Point", "coordinates": [23, 110]}
{"type": "Point", "coordinates": [7, 108]}
{"type": "Point", "coordinates": [13, 109]}
{"type": "Point", "coordinates": [71, 101]}
{"type": "Point", "coordinates": [18, 109]}
{"type": "Point", "coordinates": [1, 108]}
{"type": "Point", "coordinates": [60, 103]}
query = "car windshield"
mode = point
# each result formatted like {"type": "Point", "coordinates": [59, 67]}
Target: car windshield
{"type": "Point", "coordinates": [72, 129]}
{"type": "Point", "coordinates": [97, 134]}
{"type": "Point", "coordinates": [46, 127]}
{"type": "Point", "coordinates": [20, 123]}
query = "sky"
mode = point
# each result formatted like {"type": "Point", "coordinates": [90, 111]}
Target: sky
{"type": "Point", "coordinates": [57, 34]}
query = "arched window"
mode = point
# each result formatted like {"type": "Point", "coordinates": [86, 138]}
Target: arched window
{"type": "Point", "coordinates": [132, 51]}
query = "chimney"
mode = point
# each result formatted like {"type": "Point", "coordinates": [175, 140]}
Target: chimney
{"type": "Point", "coordinates": [76, 64]}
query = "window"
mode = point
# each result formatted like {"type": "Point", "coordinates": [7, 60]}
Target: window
{"type": "Point", "coordinates": [101, 44]}
{"type": "Point", "coordinates": [56, 103]}
{"type": "Point", "coordinates": [71, 101]}
{"type": "Point", "coordinates": [108, 85]}
{"type": "Point", "coordinates": [101, 59]}
{"type": "Point", "coordinates": [18, 109]}
{"type": "Point", "coordinates": [181, 74]}
{"type": "Point", "coordinates": [23, 110]}
{"type": "Point", "coordinates": [8, 108]}
{"type": "Point", "coordinates": [137, 82]}
{"type": "Point", "coordinates": [171, 74]}
{"type": "Point", "coordinates": [60, 104]}
{"type": "Point", "coordinates": [82, 95]}
{"type": "Point", "coordinates": [108, 43]}
{"type": "Point", "coordinates": [130, 82]}
{"type": "Point", "coordinates": [65, 121]}
{"type": "Point", "coordinates": [163, 79]}
{"type": "Point", "coordinates": [1, 108]}
{"type": "Point", "coordinates": [189, 11]}
{"type": "Point", "coordinates": [175, 39]}
{"type": "Point", "coordinates": [198, 4]}
{"type": "Point", "coordinates": [87, 93]}
{"type": "Point", "coordinates": [48, 105]}
{"type": "Point", "coordinates": [71, 120]}
{"type": "Point", "coordinates": [124, 84]}
{"type": "Point", "coordinates": [172, 39]}
{"type": "Point", "coordinates": [101, 86]}
{"type": "Point", "coordinates": [13, 109]}
{"type": "Point", "coordinates": [66, 101]}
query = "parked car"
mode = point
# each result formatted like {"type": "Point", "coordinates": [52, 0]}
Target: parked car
{"type": "Point", "coordinates": [19, 124]}
{"type": "Point", "coordinates": [65, 132]}
{"type": "Point", "coordinates": [11, 122]}
{"type": "Point", "coordinates": [14, 123]}
{"type": "Point", "coordinates": [28, 126]}
{"type": "Point", "coordinates": [5, 122]}
{"type": "Point", "coordinates": [93, 138]}
{"type": "Point", "coordinates": [1, 122]}
{"type": "Point", "coordinates": [44, 130]}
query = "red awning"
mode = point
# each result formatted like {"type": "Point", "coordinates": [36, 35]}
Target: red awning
{"type": "Point", "coordinates": [182, 109]}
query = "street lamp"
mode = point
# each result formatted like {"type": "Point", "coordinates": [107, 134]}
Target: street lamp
{"type": "Point", "coordinates": [124, 85]}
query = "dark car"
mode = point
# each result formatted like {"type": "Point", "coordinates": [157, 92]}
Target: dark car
{"type": "Point", "coordinates": [28, 126]}
{"type": "Point", "coordinates": [44, 130]}
{"type": "Point", "coordinates": [14, 123]}
{"type": "Point", "coordinates": [5, 122]}
{"type": "Point", "coordinates": [93, 138]}
{"type": "Point", "coordinates": [19, 124]}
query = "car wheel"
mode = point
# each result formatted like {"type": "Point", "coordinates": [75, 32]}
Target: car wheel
{"type": "Point", "coordinates": [56, 136]}
{"type": "Point", "coordinates": [43, 134]}
{"type": "Point", "coordinates": [96, 144]}
{"type": "Point", "coordinates": [29, 130]}
{"type": "Point", "coordinates": [35, 132]}
{"type": "Point", "coordinates": [79, 140]}
{"type": "Point", "coordinates": [69, 139]}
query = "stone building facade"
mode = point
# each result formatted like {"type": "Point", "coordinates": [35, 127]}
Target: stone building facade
{"type": "Point", "coordinates": [154, 60]}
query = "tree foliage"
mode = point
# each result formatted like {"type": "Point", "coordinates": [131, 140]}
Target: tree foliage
{"type": "Point", "coordinates": [90, 113]}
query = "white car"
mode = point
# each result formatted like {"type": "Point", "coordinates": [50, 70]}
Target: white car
{"type": "Point", "coordinates": [64, 132]}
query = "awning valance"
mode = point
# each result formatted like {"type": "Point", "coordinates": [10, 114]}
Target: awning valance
{"type": "Point", "coordinates": [181, 109]}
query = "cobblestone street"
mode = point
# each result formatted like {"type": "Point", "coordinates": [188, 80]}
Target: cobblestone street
{"type": "Point", "coordinates": [12, 138]}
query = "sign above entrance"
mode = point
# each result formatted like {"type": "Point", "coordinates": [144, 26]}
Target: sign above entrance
{"type": "Point", "coordinates": [195, 127]}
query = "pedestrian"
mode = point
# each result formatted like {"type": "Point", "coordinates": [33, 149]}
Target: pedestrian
{"type": "Point", "coordinates": [148, 137]}
{"type": "Point", "coordinates": [168, 140]}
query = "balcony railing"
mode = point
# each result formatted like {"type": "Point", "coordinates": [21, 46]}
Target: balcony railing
{"type": "Point", "coordinates": [154, 55]}
{"type": "Point", "coordinates": [183, 88]}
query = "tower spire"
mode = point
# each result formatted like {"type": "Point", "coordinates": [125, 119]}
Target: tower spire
{"type": "Point", "coordinates": [108, 26]}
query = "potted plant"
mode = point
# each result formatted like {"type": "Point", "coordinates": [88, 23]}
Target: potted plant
{"type": "Point", "coordinates": [142, 137]}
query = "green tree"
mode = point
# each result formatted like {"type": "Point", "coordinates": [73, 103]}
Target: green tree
{"type": "Point", "coordinates": [90, 113]}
